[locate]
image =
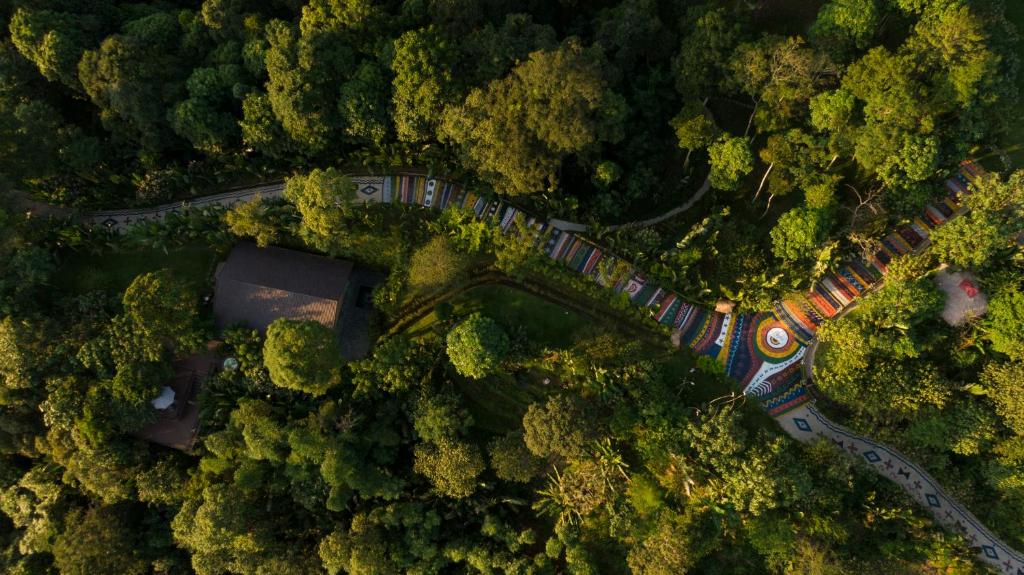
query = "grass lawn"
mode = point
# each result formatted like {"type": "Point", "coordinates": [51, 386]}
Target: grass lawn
{"type": "Point", "coordinates": [498, 403]}
{"type": "Point", "coordinates": [83, 273]}
{"type": "Point", "coordinates": [545, 323]}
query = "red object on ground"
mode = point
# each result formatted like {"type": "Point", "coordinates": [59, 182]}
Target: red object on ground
{"type": "Point", "coordinates": [969, 288]}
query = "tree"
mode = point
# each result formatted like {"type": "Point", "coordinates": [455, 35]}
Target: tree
{"type": "Point", "coordinates": [207, 118]}
{"type": "Point", "coordinates": [872, 361]}
{"type": "Point", "coordinates": [26, 270]}
{"type": "Point", "coordinates": [832, 113]}
{"type": "Point", "coordinates": [515, 250]}
{"type": "Point", "coordinates": [799, 232]}
{"type": "Point", "coordinates": [699, 63]}
{"type": "Point", "coordinates": [133, 78]}
{"type": "Point", "coordinates": [398, 363]}
{"type": "Point", "coordinates": [970, 240]}
{"type": "Point", "coordinates": [451, 465]}
{"type": "Point", "coordinates": [694, 129]}
{"type": "Point", "coordinates": [674, 545]}
{"type": "Point", "coordinates": [842, 23]}
{"type": "Point", "coordinates": [362, 550]}
{"type": "Point", "coordinates": [1005, 323]}
{"type": "Point", "coordinates": [632, 32]}
{"type": "Point", "coordinates": [363, 104]}
{"type": "Point", "coordinates": [511, 460]}
{"type": "Point", "coordinates": [30, 128]}
{"type": "Point", "coordinates": [302, 355]}
{"type": "Point", "coordinates": [780, 75]}
{"type": "Point", "coordinates": [15, 364]}
{"type": "Point", "coordinates": [425, 82]}
{"type": "Point", "coordinates": [302, 68]}
{"type": "Point", "coordinates": [264, 437]}
{"type": "Point", "coordinates": [556, 428]}
{"type": "Point", "coordinates": [100, 540]}
{"type": "Point", "coordinates": [322, 198]}
{"type": "Point", "coordinates": [952, 39]}
{"type": "Point", "coordinates": [1003, 381]}
{"type": "Point", "coordinates": [495, 51]}
{"type": "Point", "coordinates": [254, 219]}
{"type": "Point", "coordinates": [891, 142]}
{"type": "Point", "coordinates": [228, 529]}
{"type": "Point", "coordinates": [477, 346]}
{"type": "Point", "coordinates": [162, 308]}
{"type": "Point", "coordinates": [54, 41]}
{"type": "Point", "coordinates": [37, 503]}
{"type": "Point", "coordinates": [440, 417]}
{"type": "Point", "coordinates": [262, 130]}
{"type": "Point", "coordinates": [974, 239]}
{"type": "Point", "coordinates": [519, 129]}
{"type": "Point", "coordinates": [437, 264]}
{"type": "Point", "coordinates": [731, 161]}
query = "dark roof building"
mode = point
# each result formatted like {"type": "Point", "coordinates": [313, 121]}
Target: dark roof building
{"type": "Point", "coordinates": [177, 409]}
{"type": "Point", "coordinates": [257, 285]}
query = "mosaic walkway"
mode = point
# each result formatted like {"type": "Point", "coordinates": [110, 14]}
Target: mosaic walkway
{"type": "Point", "coordinates": [807, 424]}
{"type": "Point", "coordinates": [763, 352]}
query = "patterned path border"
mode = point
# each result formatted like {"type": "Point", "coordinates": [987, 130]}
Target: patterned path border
{"type": "Point", "coordinates": [121, 220]}
{"type": "Point", "coordinates": [807, 424]}
{"type": "Point", "coordinates": [761, 351]}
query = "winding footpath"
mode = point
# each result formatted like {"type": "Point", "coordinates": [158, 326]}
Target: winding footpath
{"type": "Point", "coordinates": [763, 352]}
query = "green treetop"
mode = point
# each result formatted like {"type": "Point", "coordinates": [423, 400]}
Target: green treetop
{"type": "Point", "coordinates": [302, 355]}
{"type": "Point", "coordinates": [477, 346]}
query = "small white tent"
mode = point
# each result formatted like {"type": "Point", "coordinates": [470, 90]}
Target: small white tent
{"type": "Point", "coordinates": [165, 400]}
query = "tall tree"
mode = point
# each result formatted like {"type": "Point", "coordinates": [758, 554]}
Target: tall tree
{"type": "Point", "coordinates": [302, 355]}
{"type": "Point", "coordinates": [323, 199]}
{"type": "Point", "coordinates": [425, 82]}
{"type": "Point", "coordinates": [477, 346]}
{"type": "Point", "coordinates": [731, 161]}
{"type": "Point", "coordinates": [100, 540]}
{"type": "Point", "coordinates": [520, 129]}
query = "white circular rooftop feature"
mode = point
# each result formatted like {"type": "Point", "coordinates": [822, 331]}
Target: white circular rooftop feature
{"type": "Point", "coordinates": [777, 338]}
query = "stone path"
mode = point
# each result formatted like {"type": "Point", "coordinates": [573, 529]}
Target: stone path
{"type": "Point", "coordinates": [120, 220]}
{"type": "Point", "coordinates": [807, 424]}
{"type": "Point", "coordinates": [575, 227]}
{"type": "Point", "coordinates": [763, 352]}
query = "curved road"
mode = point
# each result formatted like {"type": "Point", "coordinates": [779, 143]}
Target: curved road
{"type": "Point", "coordinates": [758, 350]}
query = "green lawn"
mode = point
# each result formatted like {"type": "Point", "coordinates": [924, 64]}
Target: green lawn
{"type": "Point", "coordinates": [82, 273]}
{"type": "Point", "coordinates": [499, 402]}
{"type": "Point", "coordinates": [545, 323]}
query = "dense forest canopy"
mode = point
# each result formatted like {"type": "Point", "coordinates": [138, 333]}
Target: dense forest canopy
{"type": "Point", "coordinates": [510, 418]}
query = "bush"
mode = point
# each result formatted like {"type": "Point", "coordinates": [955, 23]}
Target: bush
{"type": "Point", "coordinates": [437, 264]}
{"type": "Point", "coordinates": [157, 186]}
{"type": "Point", "coordinates": [511, 460]}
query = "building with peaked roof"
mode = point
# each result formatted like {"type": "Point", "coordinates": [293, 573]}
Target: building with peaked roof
{"type": "Point", "coordinates": [257, 285]}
